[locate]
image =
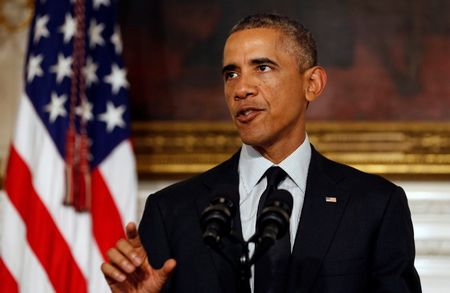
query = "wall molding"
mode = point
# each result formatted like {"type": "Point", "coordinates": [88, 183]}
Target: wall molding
{"type": "Point", "coordinates": [397, 150]}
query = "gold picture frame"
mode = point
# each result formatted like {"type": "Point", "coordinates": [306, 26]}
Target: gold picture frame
{"type": "Point", "coordinates": [405, 150]}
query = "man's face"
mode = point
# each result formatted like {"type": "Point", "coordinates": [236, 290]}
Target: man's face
{"type": "Point", "coordinates": [264, 89]}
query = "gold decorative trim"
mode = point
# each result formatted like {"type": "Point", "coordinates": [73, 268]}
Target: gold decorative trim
{"type": "Point", "coordinates": [25, 8]}
{"type": "Point", "coordinates": [405, 150]}
{"type": "Point", "coordinates": [416, 150]}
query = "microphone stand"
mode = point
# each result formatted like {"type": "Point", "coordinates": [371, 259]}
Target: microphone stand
{"type": "Point", "coordinates": [245, 262]}
{"type": "Point", "coordinates": [244, 270]}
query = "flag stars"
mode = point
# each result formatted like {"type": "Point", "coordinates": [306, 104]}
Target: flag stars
{"type": "Point", "coordinates": [84, 110]}
{"type": "Point", "coordinates": [40, 29]}
{"type": "Point", "coordinates": [116, 40]}
{"type": "Point", "coordinates": [89, 72]}
{"type": "Point", "coordinates": [62, 68]}
{"type": "Point", "coordinates": [117, 78]}
{"type": "Point", "coordinates": [95, 34]}
{"type": "Point", "coordinates": [34, 67]}
{"type": "Point", "coordinates": [97, 3]}
{"type": "Point", "coordinates": [68, 28]}
{"type": "Point", "coordinates": [113, 117]}
{"type": "Point", "coordinates": [56, 107]}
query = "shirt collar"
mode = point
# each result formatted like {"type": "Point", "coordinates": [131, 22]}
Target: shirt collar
{"type": "Point", "coordinates": [252, 165]}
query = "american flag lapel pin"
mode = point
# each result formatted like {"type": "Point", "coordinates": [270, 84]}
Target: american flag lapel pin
{"type": "Point", "coordinates": [330, 199]}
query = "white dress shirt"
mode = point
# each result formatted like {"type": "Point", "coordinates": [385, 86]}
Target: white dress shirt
{"type": "Point", "coordinates": [252, 166]}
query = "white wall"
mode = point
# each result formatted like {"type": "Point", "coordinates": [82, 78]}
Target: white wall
{"type": "Point", "coordinates": [430, 208]}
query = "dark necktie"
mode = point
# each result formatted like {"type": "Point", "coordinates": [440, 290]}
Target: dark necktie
{"type": "Point", "coordinates": [271, 270]}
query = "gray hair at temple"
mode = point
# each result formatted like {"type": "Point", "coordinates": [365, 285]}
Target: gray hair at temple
{"type": "Point", "coordinates": [304, 43]}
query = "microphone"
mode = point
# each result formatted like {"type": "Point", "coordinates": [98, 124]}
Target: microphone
{"type": "Point", "coordinates": [273, 222]}
{"type": "Point", "coordinates": [216, 220]}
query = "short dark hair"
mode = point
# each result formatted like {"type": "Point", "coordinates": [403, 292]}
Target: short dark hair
{"type": "Point", "coordinates": [305, 45]}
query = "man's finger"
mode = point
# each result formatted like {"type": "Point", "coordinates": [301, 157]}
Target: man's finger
{"type": "Point", "coordinates": [134, 254]}
{"type": "Point", "coordinates": [121, 261]}
{"type": "Point", "coordinates": [161, 276]}
{"type": "Point", "coordinates": [133, 235]}
{"type": "Point", "coordinates": [112, 274]}
{"type": "Point", "coordinates": [169, 266]}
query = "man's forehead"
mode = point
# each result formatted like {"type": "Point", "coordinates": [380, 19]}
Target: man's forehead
{"type": "Point", "coordinates": [261, 34]}
{"type": "Point", "coordinates": [252, 44]}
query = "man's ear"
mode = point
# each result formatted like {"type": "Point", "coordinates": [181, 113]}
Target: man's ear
{"type": "Point", "coordinates": [315, 81]}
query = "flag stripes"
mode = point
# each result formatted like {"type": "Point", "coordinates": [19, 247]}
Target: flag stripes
{"type": "Point", "coordinates": [48, 244]}
{"type": "Point", "coordinates": [18, 257]}
{"type": "Point", "coordinates": [8, 284]}
{"type": "Point", "coordinates": [106, 232]}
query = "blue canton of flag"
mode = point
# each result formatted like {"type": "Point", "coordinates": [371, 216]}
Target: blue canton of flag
{"type": "Point", "coordinates": [48, 75]}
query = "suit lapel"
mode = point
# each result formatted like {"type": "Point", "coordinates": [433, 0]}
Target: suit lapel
{"type": "Point", "coordinates": [322, 210]}
{"type": "Point", "coordinates": [225, 174]}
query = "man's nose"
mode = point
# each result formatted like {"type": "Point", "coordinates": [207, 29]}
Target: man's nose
{"type": "Point", "coordinates": [245, 87]}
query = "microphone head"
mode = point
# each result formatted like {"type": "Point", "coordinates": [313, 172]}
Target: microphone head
{"type": "Point", "coordinates": [230, 195]}
{"type": "Point", "coordinates": [281, 198]}
{"type": "Point", "coordinates": [276, 214]}
{"type": "Point", "coordinates": [217, 218]}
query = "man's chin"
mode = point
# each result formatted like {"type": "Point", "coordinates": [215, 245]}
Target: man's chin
{"type": "Point", "coordinates": [252, 135]}
{"type": "Point", "coordinates": [251, 140]}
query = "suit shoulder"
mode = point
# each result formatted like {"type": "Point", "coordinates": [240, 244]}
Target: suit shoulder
{"type": "Point", "coordinates": [188, 188]}
{"type": "Point", "coordinates": [353, 178]}
{"type": "Point", "coordinates": [179, 191]}
{"type": "Point", "coordinates": [368, 192]}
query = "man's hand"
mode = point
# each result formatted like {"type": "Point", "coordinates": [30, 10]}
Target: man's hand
{"type": "Point", "coordinates": [129, 270]}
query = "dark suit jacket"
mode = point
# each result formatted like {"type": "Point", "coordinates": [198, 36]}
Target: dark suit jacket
{"type": "Point", "coordinates": [362, 243]}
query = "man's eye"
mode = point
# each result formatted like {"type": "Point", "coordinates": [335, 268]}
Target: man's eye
{"type": "Point", "coordinates": [229, 75]}
{"type": "Point", "coordinates": [264, 67]}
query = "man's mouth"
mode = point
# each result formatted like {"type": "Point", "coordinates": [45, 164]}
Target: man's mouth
{"type": "Point", "coordinates": [247, 114]}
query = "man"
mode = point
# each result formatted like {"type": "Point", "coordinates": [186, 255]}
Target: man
{"type": "Point", "coordinates": [349, 231]}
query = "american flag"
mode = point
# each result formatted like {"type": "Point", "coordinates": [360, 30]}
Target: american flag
{"type": "Point", "coordinates": [70, 182]}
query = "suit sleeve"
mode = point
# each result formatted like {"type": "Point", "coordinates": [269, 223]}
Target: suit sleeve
{"type": "Point", "coordinates": [393, 261]}
{"type": "Point", "coordinates": [153, 235]}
